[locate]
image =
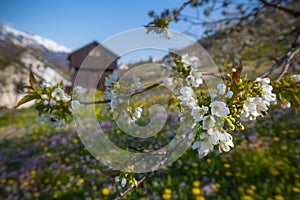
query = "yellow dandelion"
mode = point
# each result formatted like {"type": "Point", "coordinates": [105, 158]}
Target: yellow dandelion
{"type": "Point", "coordinates": [247, 197]}
{"type": "Point", "coordinates": [226, 165]}
{"type": "Point", "coordinates": [3, 180]}
{"type": "Point", "coordinates": [25, 183]}
{"type": "Point", "coordinates": [195, 164]}
{"type": "Point", "coordinates": [278, 197]}
{"type": "Point", "coordinates": [166, 196]}
{"type": "Point", "coordinates": [81, 181]}
{"type": "Point", "coordinates": [196, 191]}
{"type": "Point", "coordinates": [118, 131]}
{"type": "Point", "coordinates": [10, 182]}
{"type": "Point", "coordinates": [67, 160]}
{"type": "Point", "coordinates": [49, 154]}
{"type": "Point", "coordinates": [200, 198]}
{"type": "Point", "coordinates": [250, 191]}
{"type": "Point", "coordinates": [168, 191]}
{"type": "Point", "coordinates": [295, 189]}
{"type": "Point", "coordinates": [274, 172]}
{"type": "Point", "coordinates": [253, 187]}
{"type": "Point", "coordinates": [106, 191]}
{"type": "Point", "coordinates": [196, 183]}
{"type": "Point", "coordinates": [208, 160]}
{"type": "Point", "coordinates": [75, 141]}
{"type": "Point", "coordinates": [227, 173]}
{"type": "Point", "coordinates": [276, 139]}
{"type": "Point", "coordinates": [143, 198]}
{"type": "Point", "coordinates": [55, 195]}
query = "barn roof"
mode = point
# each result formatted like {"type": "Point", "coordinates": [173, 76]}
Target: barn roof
{"type": "Point", "coordinates": [92, 45]}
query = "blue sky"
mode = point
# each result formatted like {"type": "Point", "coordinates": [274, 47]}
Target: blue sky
{"type": "Point", "coordinates": [74, 23]}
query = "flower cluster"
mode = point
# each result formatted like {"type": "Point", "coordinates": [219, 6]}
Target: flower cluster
{"type": "Point", "coordinates": [216, 115]}
{"type": "Point", "coordinates": [187, 66]}
{"type": "Point", "coordinates": [52, 102]}
{"type": "Point", "coordinates": [255, 106]}
{"type": "Point", "coordinates": [209, 116]}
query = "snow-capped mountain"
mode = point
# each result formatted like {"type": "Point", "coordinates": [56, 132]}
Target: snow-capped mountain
{"type": "Point", "coordinates": [48, 49]}
{"type": "Point", "coordinates": [21, 53]}
{"type": "Point", "coordinates": [29, 40]}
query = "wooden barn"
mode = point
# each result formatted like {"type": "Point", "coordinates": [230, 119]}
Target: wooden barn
{"type": "Point", "coordinates": [95, 62]}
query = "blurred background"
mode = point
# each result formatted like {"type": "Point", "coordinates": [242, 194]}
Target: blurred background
{"type": "Point", "coordinates": [51, 38]}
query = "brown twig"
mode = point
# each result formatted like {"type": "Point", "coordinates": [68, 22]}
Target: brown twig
{"type": "Point", "coordinates": [128, 95]}
{"type": "Point", "coordinates": [287, 58]}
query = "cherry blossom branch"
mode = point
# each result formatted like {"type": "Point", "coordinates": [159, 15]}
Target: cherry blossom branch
{"type": "Point", "coordinates": [131, 94]}
{"type": "Point", "coordinates": [122, 194]}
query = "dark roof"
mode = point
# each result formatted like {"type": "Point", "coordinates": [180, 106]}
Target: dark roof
{"type": "Point", "coordinates": [92, 44]}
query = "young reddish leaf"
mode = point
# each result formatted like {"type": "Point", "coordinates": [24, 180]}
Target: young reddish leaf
{"type": "Point", "coordinates": [33, 81]}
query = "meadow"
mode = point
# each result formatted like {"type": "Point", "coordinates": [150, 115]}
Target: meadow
{"type": "Point", "coordinates": [40, 162]}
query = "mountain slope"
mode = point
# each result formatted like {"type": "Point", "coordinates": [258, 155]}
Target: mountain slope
{"type": "Point", "coordinates": [47, 48]}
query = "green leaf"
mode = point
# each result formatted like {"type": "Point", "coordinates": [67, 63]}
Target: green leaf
{"type": "Point", "coordinates": [33, 81]}
{"type": "Point", "coordinates": [25, 99]}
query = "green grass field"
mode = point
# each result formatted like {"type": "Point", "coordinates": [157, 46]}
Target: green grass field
{"type": "Point", "coordinates": [40, 162]}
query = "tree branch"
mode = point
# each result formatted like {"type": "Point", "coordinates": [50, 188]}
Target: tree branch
{"type": "Point", "coordinates": [128, 95]}
{"type": "Point", "coordinates": [293, 12]}
{"type": "Point", "coordinates": [287, 58]}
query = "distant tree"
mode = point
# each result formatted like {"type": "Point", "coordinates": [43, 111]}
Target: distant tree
{"type": "Point", "coordinates": [263, 31]}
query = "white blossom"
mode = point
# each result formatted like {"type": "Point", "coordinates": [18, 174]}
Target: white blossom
{"type": "Point", "coordinates": [187, 96]}
{"type": "Point", "coordinates": [194, 78]}
{"type": "Point", "coordinates": [44, 96]}
{"type": "Point", "coordinates": [192, 61]}
{"type": "Point", "coordinates": [47, 84]}
{"type": "Point", "coordinates": [137, 113]}
{"type": "Point", "coordinates": [123, 182]}
{"type": "Point", "coordinates": [219, 108]}
{"type": "Point", "coordinates": [208, 122]}
{"type": "Point", "coordinates": [225, 142]}
{"type": "Point", "coordinates": [52, 102]}
{"type": "Point", "coordinates": [213, 96]}
{"type": "Point", "coordinates": [285, 105]}
{"type": "Point", "coordinates": [253, 107]}
{"type": "Point", "coordinates": [66, 97]}
{"type": "Point", "coordinates": [205, 148]}
{"type": "Point", "coordinates": [78, 90]}
{"type": "Point", "coordinates": [58, 94]}
{"type": "Point", "coordinates": [222, 88]}
{"type": "Point", "coordinates": [229, 94]}
{"type": "Point", "coordinates": [136, 83]}
{"type": "Point", "coordinates": [196, 145]}
{"type": "Point", "coordinates": [111, 79]}
{"type": "Point", "coordinates": [169, 63]}
{"type": "Point", "coordinates": [169, 83]}
{"type": "Point", "coordinates": [266, 90]}
{"type": "Point", "coordinates": [199, 112]}
{"type": "Point", "coordinates": [46, 102]}
{"type": "Point", "coordinates": [75, 104]}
